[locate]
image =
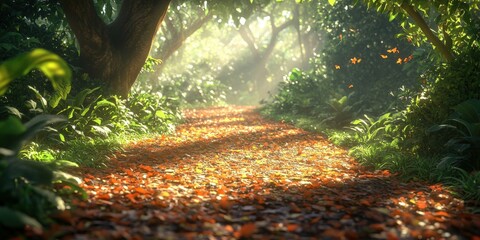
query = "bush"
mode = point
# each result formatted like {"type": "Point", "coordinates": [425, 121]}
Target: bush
{"type": "Point", "coordinates": [190, 89]}
{"type": "Point", "coordinates": [302, 93]}
{"type": "Point", "coordinates": [464, 147]}
{"type": "Point", "coordinates": [446, 86]}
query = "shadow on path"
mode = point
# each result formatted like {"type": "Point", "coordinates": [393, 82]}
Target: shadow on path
{"type": "Point", "coordinates": [227, 174]}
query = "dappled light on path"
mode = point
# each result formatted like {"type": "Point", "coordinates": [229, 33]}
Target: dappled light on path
{"type": "Point", "coordinates": [227, 173]}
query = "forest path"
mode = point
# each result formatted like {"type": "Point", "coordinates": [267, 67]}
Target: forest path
{"type": "Point", "coordinates": [227, 173]}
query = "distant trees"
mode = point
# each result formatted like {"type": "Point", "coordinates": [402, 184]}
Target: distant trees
{"type": "Point", "coordinates": [115, 52]}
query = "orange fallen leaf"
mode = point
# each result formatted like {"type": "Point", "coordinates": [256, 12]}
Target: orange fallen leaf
{"type": "Point", "coordinates": [225, 203]}
{"type": "Point", "coordinates": [247, 230]}
{"type": "Point", "coordinates": [229, 228]}
{"type": "Point", "coordinates": [442, 214]}
{"type": "Point", "coordinates": [146, 168]}
{"type": "Point", "coordinates": [141, 190]}
{"type": "Point", "coordinates": [131, 197]}
{"type": "Point", "coordinates": [292, 227]}
{"type": "Point", "coordinates": [421, 204]}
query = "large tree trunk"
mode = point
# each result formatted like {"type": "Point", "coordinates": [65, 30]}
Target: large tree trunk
{"type": "Point", "coordinates": [115, 53]}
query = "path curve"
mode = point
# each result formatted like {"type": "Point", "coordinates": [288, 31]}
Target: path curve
{"type": "Point", "coordinates": [228, 173]}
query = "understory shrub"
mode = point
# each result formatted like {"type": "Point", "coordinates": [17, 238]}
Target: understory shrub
{"type": "Point", "coordinates": [464, 147]}
{"type": "Point", "coordinates": [302, 93]}
{"type": "Point", "coordinates": [190, 90]}
{"type": "Point", "coordinates": [447, 85]}
{"type": "Point", "coordinates": [91, 115]}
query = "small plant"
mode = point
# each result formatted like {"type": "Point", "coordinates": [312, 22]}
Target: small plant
{"type": "Point", "coordinates": [469, 183]}
{"type": "Point", "coordinates": [368, 129]}
{"type": "Point", "coordinates": [464, 146]}
{"type": "Point", "coordinates": [341, 111]}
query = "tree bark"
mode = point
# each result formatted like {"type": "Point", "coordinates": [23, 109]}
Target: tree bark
{"type": "Point", "coordinates": [439, 45]}
{"type": "Point", "coordinates": [115, 53]}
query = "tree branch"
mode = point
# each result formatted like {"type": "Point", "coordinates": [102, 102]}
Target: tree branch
{"type": "Point", "coordinates": [172, 45]}
{"type": "Point", "coordinates": [439, 45]}
{"type": "Point", "coordinates": [243, 30]}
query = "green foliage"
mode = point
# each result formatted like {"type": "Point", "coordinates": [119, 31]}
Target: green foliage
{"type": "Point", "coordinates": [55, 68]}
{"type": "Point", "coordinates": [91, 115]}
{"type": "Point", "coordinates": [468, 182]}
{"type": "Point", "coordinates": [150, 64]}
{"type": "Point", "coordinates": [157, 112]}
{"type": "Point", "coordinates": [26, 186]}
{"type": "Point", "coordinates": [457, 21]}
{"type": "Point", "coordinates": [368, 130]}
{"type": "Point", "coordinates": [302, 93]}
{"type": "Point", "coordinates": [358, 55]}
{"type": "Point", "coordinates": [92, 152]}
{"type": "Point", "coordinates": [447, 85]}
{"type": "Point", "coordinates": [464, 147]}
{"type": "Point", "coordinates": [193, 87]}
{"type": "Point", "coordinates": [341, 111]}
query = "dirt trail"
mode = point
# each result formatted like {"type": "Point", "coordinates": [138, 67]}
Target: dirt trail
{"type": "Point", "coordinates": [228, 173]}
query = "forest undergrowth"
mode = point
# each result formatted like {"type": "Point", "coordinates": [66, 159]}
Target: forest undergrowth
{"type": "Point", "coordinates": [227, 173]}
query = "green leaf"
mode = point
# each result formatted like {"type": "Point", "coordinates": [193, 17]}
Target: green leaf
{"type": "Point", "coordinates": [34, 172]}
{"type": "Point", "coordinates": [161, 114]}
{"type": "Point", "coordinates": [10, 130]}
{"type": "Point", "coordinates": [11, 126]}
{"type": "Point", "coordinates": [105, 103]}
{"type": "Point", "coordinates": [79, 99]}
{"type": "Point", "coordinates": [392, 16]}
{"type": "Point", "coordinates": [16, 219]}
{"type": "Point", "coordinates": [54, 67]}
{"type": "Point", "coordinates": [51, 197]}
{"type": "Point", "coordinates": [332, 2]}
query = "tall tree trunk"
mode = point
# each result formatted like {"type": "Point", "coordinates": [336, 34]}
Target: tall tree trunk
{"type": "Point", "coordinates": [115, 53]}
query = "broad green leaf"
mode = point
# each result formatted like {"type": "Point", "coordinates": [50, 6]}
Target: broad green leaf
{"type": "Point", "coordinates": [332, 2]}
{"type": "Point", "coordinates": [16, 219]}
{"type": "Point", "coordinates": [11, 126]}
{"type": "Point", "coordinates": [32, 127]}
{"type": "Point", "coordinates": [54, 67]}
{"type": "Point", "coordinates": [51, 197]}
{"type": "Point", "coordinates": [79, 99]}
{"type": "Point", "coordinates": [34, 172]}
